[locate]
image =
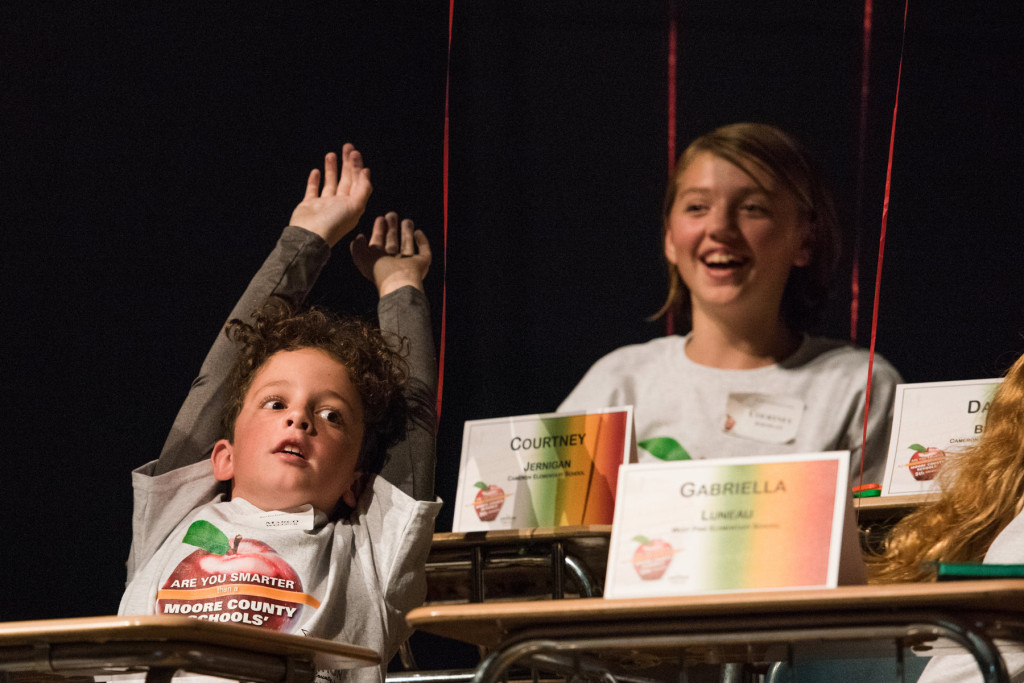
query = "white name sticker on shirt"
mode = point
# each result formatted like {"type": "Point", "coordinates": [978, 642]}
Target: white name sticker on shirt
{"type": "Point", "coordinates": [301, 518]}
{"type": "Point", "coordinates": [762, 417]}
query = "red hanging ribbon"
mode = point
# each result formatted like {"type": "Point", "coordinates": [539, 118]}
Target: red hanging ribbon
{"type": "Point", "coordinates": [862, 134]}
{"type": "Point", "coordinates": [670, 317]}
{"type": "Point", "coordinates": [881, 245]}
{"type": "Point", "coordinates": [444, 269]}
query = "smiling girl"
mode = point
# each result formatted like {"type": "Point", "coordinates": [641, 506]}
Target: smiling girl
{"type": "Point", "coordinates": [751, 239]}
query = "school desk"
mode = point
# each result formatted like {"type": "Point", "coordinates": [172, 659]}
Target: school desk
{"type": "Point", "coordinates": [875, 516]}
{"type": "Point", "coordinates": [476, 566]}
{"type": "Point", "coordinates": [162, 645]}
{"type": "Point", "coordinates": [885, 507]}
{"type": "Point", "coordinates": [596, 635]}
{"type": "Point", "coordinates": [479, 566]}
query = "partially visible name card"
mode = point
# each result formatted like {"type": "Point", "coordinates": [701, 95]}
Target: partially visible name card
{"type": "Point", "coordinates": [729, 524]}
{"type": "Point", "coordinates": [557, 469]}
{"type": "Point", "coordinates": [931, 422]}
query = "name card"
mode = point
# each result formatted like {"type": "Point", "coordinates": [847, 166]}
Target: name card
{"type": "Point", "coordinates": [558, 469]}
{"type": "Point", "coordinates": [730, 524]}
{"type": "Point", "coordinates": [931, 422]}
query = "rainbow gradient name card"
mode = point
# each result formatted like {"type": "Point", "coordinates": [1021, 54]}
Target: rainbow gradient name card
{"type": "Point", "coordinates": [730, 524]}
{"type": "Point", "coordinates": [558, 469]}
{"type": "Point", "coordinates": [931, 422]}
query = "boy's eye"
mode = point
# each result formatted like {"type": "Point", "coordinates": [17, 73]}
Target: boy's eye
{"type": "Point", "coordinates": [330, 414]}
{"type": "Point", "coordinates": [694, 207]}
{"type": "Point", "coordinates": [273, 404]}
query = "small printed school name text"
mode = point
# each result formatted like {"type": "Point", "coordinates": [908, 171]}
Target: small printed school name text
{"type": "Point", "coordinates": [257, 606]}
{"type": "Point", "coordinates": [690, 489]}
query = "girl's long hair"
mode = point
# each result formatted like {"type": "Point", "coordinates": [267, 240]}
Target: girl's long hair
{"type": "Point", "coordinates": [983, 490]}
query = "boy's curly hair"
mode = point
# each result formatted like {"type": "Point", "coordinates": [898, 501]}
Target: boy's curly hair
{"type": "Point", "coordinates": [377, 369]}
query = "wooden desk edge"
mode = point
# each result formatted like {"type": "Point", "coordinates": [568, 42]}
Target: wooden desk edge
{"type": "Point", "coordinates": [184, 629]}
{"type": "Point", "coordinates": [489, 623]}
{"type": "Point", "coordinates": [544, 533]}
{"type": "Point", "coordinates": [880, 505]}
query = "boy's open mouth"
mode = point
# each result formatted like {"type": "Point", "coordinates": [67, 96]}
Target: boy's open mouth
{"type": "Point", "coordinates": [291, 449]}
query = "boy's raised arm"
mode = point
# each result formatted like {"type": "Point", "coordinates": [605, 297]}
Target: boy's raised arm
{"type": "Point", "coordinates": [321, 219]}
{"type": "Point", "coordinates": [396, 259]}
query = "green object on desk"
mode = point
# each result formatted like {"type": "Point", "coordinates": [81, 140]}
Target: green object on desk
{"type": "Point", "coordinates": [867, 493]}
{"type": "Point", "coordinates": [953, 571]}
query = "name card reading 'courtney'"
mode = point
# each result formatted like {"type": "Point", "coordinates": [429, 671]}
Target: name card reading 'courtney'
{"type": "Point", "coordinates": [729, 524]}
{"type": "Point", "coordinates": [931, 422]}
{"type": "Point", "coordinates": [558, 469]}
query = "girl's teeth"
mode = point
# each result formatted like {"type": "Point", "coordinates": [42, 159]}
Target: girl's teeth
{"type": "Point", "coordinates": [719, 258]}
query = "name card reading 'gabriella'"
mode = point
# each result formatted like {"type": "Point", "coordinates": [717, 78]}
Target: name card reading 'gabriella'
{"type": "Point", "coordinates": [729, 524]}
{"type": "Point", "coordinates": [558, 469]}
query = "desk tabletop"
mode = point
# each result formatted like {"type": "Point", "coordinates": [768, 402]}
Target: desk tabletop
{"type": "Point", "coordinates": [500, 536]}
{"type": "Point", "coordinates": [882, 507]}
{"type": "Point", "coordinates": [325, 654]}
{"type": "Point", "coordinates": [489, 624]}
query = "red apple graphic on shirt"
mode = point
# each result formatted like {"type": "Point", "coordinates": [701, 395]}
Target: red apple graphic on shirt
{"type": "Point", "coordinates": [651, 558]}
{"type": "Point", "coordinates": [925, 463]}
{"type": "Point", "coordinates": [238, 581]}
{"type": "Point", "coordinates": [488, 501]}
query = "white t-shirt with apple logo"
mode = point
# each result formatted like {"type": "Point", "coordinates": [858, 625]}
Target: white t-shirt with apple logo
{"type": "Point", "coordinates": [353, 580]}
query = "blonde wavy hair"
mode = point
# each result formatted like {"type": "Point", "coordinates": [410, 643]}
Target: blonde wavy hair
{"type": "Point", "coordinates": [983, 490]}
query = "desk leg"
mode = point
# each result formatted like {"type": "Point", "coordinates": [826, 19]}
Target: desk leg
{"type": "Point", "coordinates": [981, 647]}
{"type": "Point", "coordinates": [557, 570]}
{"type": "Point", "coordinates": [588, 587]}
{"type": "Point", "coordinates": [476, 586]}
{"type": "Point", "coordinates": [161, 674]}
{"type": "Point", "coordinates": [498, 662]}
{"type": "Point", "coordinates": [569, 654]}
{"type": "Point", "coordinates": [547, 655]}
{"type": "Point", "coordinates": [733, 672]}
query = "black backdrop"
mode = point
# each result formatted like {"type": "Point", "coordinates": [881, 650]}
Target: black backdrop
{"type": "Point", "coordinates": [152, 152]}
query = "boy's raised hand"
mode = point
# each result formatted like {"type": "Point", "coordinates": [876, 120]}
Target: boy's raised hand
{"type": "Point", "coordinates": [333, 211]}
{"type": "Point", "coordinates": [394, 256]}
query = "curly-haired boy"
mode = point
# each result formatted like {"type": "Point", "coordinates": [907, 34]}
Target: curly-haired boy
{"type": "Point", "coordinates": [326, 448]}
